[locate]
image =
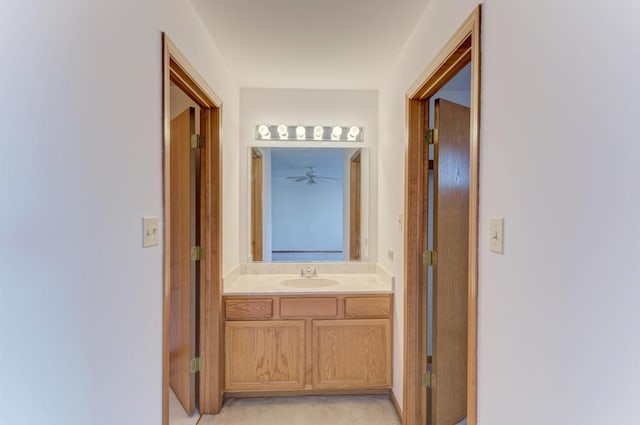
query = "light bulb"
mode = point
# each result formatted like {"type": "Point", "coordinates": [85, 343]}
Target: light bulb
{"type": "Point", "coordinates": [317, 132]}
{"type": "Point", "coordinates": [282, 131]}
{"type": "Point", "coordinates": [264, 132]}
{"type": "Point", "coordinates": [336, 133]}
{"type": "Point", "coordinates": [353, 133]}
{"type": "Point", "coordinates": [300, 132]}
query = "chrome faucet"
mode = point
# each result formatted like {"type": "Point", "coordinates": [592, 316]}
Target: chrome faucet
{"type": "Point", "coordinates": [308, 272]}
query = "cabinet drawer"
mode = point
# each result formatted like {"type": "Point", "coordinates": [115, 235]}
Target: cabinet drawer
{"type": "Point", "coordinates": [367, 307]}
{"type": "Point", "coordinates": [261, 308]}
{"type": "Point", "coordinates": [309, 307]}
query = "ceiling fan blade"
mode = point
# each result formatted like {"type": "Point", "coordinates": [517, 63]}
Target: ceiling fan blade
{"type": "Point", "coordinates": [311, 177]}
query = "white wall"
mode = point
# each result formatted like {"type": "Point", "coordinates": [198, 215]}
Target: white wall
{"type": "Point", "coordinates": [561, 166]}
{"type": "Point", "coordinates": [559, 161]}
{"type": "Point", "coordinates": [307, 107]}
{"type": "Point", "coordinates": [80, 300]}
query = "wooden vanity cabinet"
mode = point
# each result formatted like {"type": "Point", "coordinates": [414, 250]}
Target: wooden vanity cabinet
{"type": "Point", "coordinates": [351, 353]}
{"type": "Point", "coordinates": [311, 343]}
{"type": "Point", "coordinates": [265, 355]}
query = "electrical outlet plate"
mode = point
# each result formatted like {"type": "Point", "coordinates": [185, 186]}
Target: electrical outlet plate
{"type": "Point", "coordinates": [150, 231]}
{"type": "Point", "coordinates": [496, 235]}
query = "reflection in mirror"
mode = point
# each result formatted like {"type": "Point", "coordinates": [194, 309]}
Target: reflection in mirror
{"type": "Point", "coordinates": [355, 183]}
{"type": "Point", "coordinates": [306, 204]}
{"type": "Point", "coordinates": [256, 203]}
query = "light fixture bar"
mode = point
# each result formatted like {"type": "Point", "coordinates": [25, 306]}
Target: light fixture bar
{"type": "Point", "coordinates": [281, 132]}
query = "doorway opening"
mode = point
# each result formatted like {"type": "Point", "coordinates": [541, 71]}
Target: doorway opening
{"type": "Point", "coordinates": [441, 235]}
{"type": "Point", "coordinates": [192, 238]}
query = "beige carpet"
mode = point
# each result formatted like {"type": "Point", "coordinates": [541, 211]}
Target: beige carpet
{"type": "Point", "coordinates": [177, 415]}
{"type": "Point", "coordinates": [342, 410]}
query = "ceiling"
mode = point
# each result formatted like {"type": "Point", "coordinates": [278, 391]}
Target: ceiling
{"type": "Point", "coordinates": [314, 44]}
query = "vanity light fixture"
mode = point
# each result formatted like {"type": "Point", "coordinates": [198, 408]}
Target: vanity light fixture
{"type": "Point", "coordinates": [282, 132]}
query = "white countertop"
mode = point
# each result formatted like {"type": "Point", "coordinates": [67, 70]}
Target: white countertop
{"type": "Point", "coordinates": [269, 284]}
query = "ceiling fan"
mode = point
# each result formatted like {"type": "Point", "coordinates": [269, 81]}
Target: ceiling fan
{"type": "Point", "coordinates": [311, 177]}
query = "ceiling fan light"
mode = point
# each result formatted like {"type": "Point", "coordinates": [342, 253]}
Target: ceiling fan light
{"type": "Point", "coordinates": [310, 177]}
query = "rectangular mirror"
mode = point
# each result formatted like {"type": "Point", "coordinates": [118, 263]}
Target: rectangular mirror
{"type": "Point", "coordinates": [308, 204]}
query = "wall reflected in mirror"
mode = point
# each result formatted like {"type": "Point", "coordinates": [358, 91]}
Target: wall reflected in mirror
{"type": "Point", "coordinates": [306, 204]}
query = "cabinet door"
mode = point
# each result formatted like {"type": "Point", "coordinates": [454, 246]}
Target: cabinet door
{"type": "Point", "coordinates": [264, 355]}
{"type": "Point", "coordinates": [351, 353]}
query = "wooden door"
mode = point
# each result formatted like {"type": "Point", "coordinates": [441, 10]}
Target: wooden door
{"type": "Point", "coordinates": [182, 339]}
{"type": "Point", "coordinates": [355, 194]}
{"type": "Point", "coordinates": [351, 353]}
{"type": "Point", "coordinates": [265, 355]}
{"type": "Point", "coordinates": [256, 205]}
{"type": "Point", "coordinates": [450, 273]}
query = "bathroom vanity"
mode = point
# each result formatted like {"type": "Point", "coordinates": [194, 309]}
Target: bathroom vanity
{"type": "Point", "coordinates": [323, 334]}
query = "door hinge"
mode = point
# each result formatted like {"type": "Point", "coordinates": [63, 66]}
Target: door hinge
{"type": "Point", "coordinates": [197, 141]}
{"type": "Point", "coordinates": [197, 252]}
{"type": "Point", "coordinates": [431, 136]}
{"type": "Point", "coordinates": [429, 258]}
{"type": "Point", "coordinates": [196, 365]}
{"type": "Point", "coordinates": [428, 380]}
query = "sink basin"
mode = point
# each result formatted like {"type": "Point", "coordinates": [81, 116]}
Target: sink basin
{"type": "Point", "coordinates": [308, 283]}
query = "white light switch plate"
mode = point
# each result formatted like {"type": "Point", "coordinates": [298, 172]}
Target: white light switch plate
{"type": "Point", "coordinates": [496, 235]}
{"type": "Point", "coordinates": [150, 231]}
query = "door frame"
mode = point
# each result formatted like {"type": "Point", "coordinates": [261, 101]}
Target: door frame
{"type": "Point", "coordinates": [256, 227]}
{"type": "Point", "coordinates": [355, 206]}
{"type": "Point", "coordinates": [462, 48]}
{"type": "Point", "coordinates": [176, 69]}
